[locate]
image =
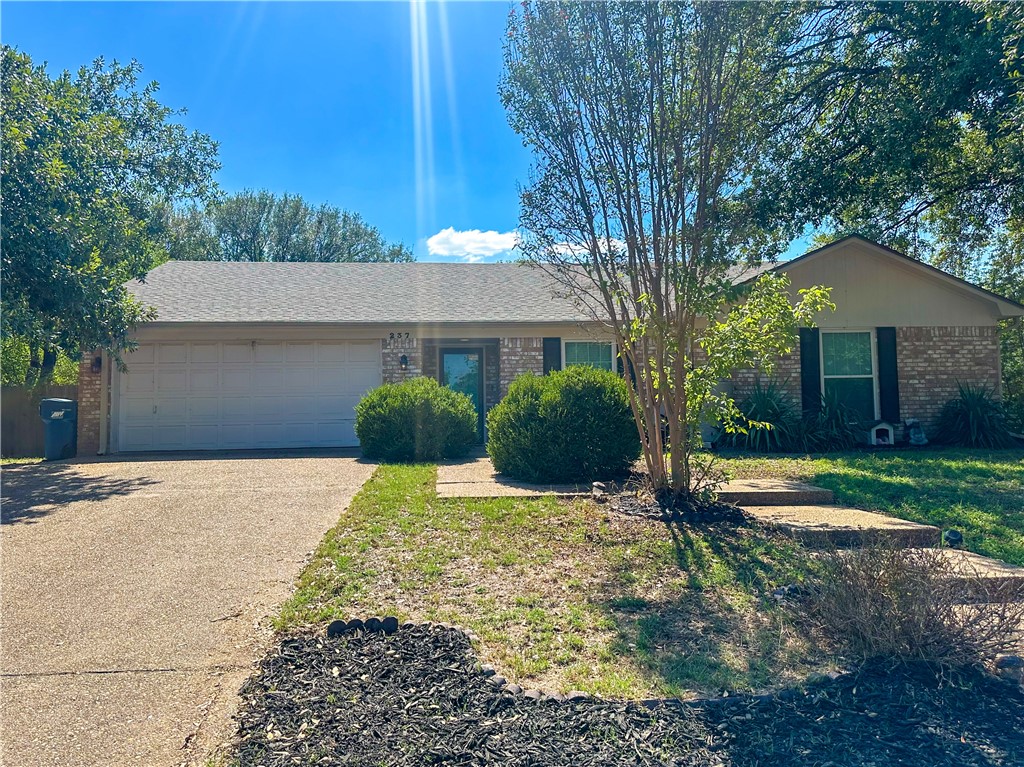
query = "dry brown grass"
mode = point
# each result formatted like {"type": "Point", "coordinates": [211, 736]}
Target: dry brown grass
{"type": "Point", "coordinates": [911, 605]}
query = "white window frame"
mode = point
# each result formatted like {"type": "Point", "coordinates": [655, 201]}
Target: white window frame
{"type": "Point", "coordinates": [591, 340]}
{"type": "Point", "coordinates": [874, 361]}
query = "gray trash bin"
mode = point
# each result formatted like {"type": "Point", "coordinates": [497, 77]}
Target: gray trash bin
{"type": "Point", "coordinates": [60, 417]}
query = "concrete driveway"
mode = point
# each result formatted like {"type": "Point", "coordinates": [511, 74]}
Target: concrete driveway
{"type": "Point", "coordinates": [135, 595]}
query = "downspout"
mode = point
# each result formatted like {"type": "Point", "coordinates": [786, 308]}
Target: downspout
{"type": "Point", "coordinates": [104, 394]}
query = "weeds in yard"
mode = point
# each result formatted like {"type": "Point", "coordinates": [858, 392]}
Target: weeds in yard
{"type": "Point", "coordinates": [563, 594]}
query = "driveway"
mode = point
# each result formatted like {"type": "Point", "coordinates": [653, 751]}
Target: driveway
{"type": "Point", "coordinates": [135, 595]}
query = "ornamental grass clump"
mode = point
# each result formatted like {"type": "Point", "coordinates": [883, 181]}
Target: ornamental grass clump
{"type": "Point", "coordinates": [416, 420]}
{"type": "Point", "coordinates": [975, 418]}
{"type": "Point", "coordinates": [889, 604]}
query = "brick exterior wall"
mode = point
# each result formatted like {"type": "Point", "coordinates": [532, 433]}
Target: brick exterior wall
{"type": "Point", "coordinates": [517, 356]}
{"type": "Point", "coordinates": [786, 375]}
{"type": "Point", "coordinates": [931, 360]}
{"type": "Point", "coordinates": [391, 356]}
{"type": "Point", "coordinates": [90, 389]}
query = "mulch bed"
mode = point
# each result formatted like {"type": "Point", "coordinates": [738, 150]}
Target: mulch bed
{"type": "Point", "coordinates": [420, 697]}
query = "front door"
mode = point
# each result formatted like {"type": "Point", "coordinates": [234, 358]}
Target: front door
{"type": "Point", "coordinates": [463, 371]}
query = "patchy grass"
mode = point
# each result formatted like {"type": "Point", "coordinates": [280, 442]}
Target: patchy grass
{"type": "Point", "coordinates": [564, 595]}
{"type": "Point", "coordinates": [980, 492]}
{"type": "Point", "coordinates": [13, 461]}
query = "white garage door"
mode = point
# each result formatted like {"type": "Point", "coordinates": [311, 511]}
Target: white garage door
{"type": "Point", "coordinates": [214, 396]}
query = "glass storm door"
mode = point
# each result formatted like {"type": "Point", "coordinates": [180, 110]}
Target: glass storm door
{"type": "Point", "coordinates": [463, 371]}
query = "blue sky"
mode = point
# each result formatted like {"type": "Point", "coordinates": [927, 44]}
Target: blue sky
{"type": "Point", "coordinates": [320, 99]}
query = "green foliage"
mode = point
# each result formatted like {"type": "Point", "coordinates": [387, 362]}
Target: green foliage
{"type": "Point", "coordinates": [974, 419]}
{"type": "Point", "coordinates": [259, 226]}
{"type": "Point", "coordinates": [573, 425]}
{"type": "Point", "coordinates": [771, 423]}
{"type": "Point", "coordinates": [831, 428]}
{"type": "Point", "coordinates": [416, 420]}
{"type": "Point", "coordinates": [18, 368]}
{"type": "Point", "coordinates": [87, 161]}
{"type": "Point", "coordinates": [771, 420]}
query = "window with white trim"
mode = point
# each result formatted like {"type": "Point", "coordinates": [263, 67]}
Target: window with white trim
{"type": "Point", "coordinates": [849, 373]}
{"type": "Point", "coordinates": [596, 354]}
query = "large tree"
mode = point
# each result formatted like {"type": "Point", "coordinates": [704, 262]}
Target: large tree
{"type": "Point", "coordinates": [259, 226]}
{"type": "Point", "coordinates": [651, 125]}
{"type": "Point", "coordinates": [918, 142]}
{"type": "Point", "coordinates": [87, 160]}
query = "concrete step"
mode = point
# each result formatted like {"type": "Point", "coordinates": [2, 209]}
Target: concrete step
{"type": "Point", "coordinates": [772, 492]}
{"type": "Point", "coordinates": [842, 527]}
{"type": "Point", "coordinates": [984, 578]}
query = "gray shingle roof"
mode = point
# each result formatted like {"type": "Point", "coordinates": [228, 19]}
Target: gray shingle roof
{"type": "Point", "coordinates": [206, 291]}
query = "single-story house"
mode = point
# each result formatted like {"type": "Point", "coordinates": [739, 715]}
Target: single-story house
{"type": "Point", "coordinates": [276, 355]}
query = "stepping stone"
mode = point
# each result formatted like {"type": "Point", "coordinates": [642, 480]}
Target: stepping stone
{"type": "Point", "coordinates": [772, 492]}
{"type": "Point", "coordinates": [842, 527]}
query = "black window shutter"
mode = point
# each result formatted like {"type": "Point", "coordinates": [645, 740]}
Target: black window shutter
{"type": "Point", "coordinates": [552, 354]}
{"type": "Point", "coordinates": [888, 376]}
{"type": "Point", "coordinates": [810, 370]}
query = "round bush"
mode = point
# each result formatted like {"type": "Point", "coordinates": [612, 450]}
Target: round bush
{"type": "Point", "coordinates": [416, 420]}
{"type": "Point", "coordinates": [574, 425]}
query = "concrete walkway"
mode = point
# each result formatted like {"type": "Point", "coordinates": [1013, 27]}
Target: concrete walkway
{"type": "Point", "coordinates": [476, 478]}
{"type": "Point", "coordinates": [135, 597]}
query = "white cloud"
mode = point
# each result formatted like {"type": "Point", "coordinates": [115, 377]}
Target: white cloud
{"type": "Point", "coordinates": [471, 245]}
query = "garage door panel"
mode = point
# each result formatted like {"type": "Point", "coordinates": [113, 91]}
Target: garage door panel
{"type": "Point", "coordinates": [299, 379]}
{"type": "Point", "coordinates": [237, 353]}
{"type": "Point", "coordinates": [236, 435]}
{"type": "Point", "coordinates": [171, 379]}
{"type": "Point", "coordinates": [136, 410]}
{"type": "Point", "coordinates": [236, 381]}
{"type": "Point", "coordinates": [245, 395]}
{"type": "Point", "coordinates": [300, 352]}
{"type": "Point", "coordinates": [205, 353]}
{"type": "Point", "coordinates": [269, 380]}
{"type": "Point", "coordinates": [141, 381]}
{"type": "Point", "coordinates": [204, 380]}
{"type": "Point", "coordinates": [207, 436]}
{"type": "Point", "coordinates": [145, 354]}
{"type": "Point", "coordinates": [170, 354]}
{"type": "Point", "coordinates": [365, 352]}
{"type": "Point", "coordinates": [170, 409]}
{"type": "Point", "coordinates": [336, 433]}
{"type": "Point", "coordinates": [204, 409]}
{"type": "Point", "coordinates": [332, 352]}
{"type": "Point", "coordinates": [269, 353]}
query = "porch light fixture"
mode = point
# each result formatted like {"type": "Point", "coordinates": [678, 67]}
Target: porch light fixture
{"type": "Point", "coordinates": [97, 364]}
{"type": "Point", "coordinates": [403, 362]}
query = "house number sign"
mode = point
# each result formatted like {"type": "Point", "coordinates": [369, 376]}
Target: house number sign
{"type": "Point", "coordinates": [399, 339]}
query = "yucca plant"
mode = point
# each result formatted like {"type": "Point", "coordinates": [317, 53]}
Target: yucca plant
{"type": "Point", "coordinates": [831, 428]}
{"type": "Point", "coordinates": [975, 418]}
{"type": "Point", "coordinates": [771, 420]}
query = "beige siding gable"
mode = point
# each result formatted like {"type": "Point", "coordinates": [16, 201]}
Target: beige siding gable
{"type": "Point", "coordinates": [871, 288]}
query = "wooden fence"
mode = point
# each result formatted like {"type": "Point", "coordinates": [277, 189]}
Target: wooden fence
{"type": "Point", "coordinates": [21, 428]}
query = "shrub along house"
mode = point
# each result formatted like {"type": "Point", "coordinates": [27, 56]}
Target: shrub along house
{"type": "Point", "coordinates": [275, 355]}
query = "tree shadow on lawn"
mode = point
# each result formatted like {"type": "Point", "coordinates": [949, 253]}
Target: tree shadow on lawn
{"type": "Point", "coordinates": [709, 623]}
{"type": "Point", "coordinates": [33, 491]}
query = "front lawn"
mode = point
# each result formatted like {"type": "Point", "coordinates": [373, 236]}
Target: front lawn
{"type": "Point", "coordinates": [979, 492]}
{"type": "Point", "coordinates": [564, 595]}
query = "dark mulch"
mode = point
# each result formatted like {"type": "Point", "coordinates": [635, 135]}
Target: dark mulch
{"type": "Point", "coordinates": [419, 697]}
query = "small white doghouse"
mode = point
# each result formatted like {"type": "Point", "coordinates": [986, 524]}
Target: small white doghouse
{"type": "Point", "coordinates": [881, 434]}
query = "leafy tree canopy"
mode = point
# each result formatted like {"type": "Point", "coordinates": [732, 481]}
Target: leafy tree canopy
{"type": "Point", "coordinates": [260, 226]}
{"type": "Point", "coordinates": [87, 161]}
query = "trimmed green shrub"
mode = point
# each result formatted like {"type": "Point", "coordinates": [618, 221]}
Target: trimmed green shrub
{"type": "Point", "coordinates": [416, 420]}
{"type": "Point", "coordinates": [974, 419]}
{"type": "Point", "coordinates": [574, 425]}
